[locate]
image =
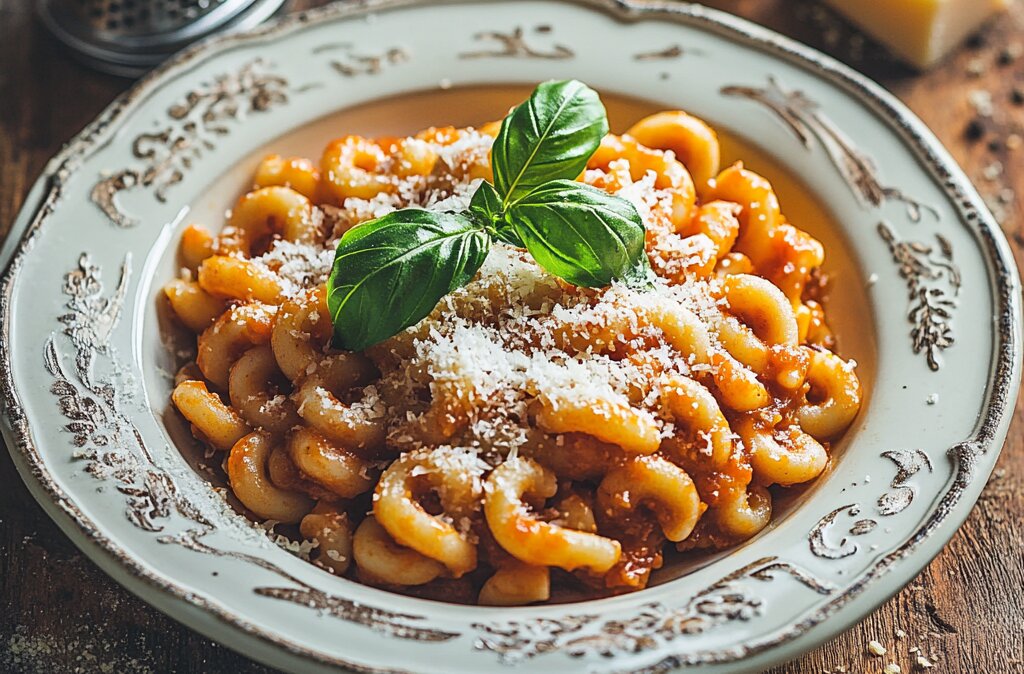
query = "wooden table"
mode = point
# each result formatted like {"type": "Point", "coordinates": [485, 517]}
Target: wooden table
{"type": "Point", "coordinates": [60, 614]}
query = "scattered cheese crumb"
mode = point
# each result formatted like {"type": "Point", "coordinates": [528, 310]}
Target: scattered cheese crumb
{"type": "Point", "coordinates": [892, 668]}
{"type": "Point", "coordinates": [876, 648]}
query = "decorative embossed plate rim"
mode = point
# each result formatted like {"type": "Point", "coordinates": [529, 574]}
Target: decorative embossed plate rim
{"type": "Point", "coordinates": [657, 630]}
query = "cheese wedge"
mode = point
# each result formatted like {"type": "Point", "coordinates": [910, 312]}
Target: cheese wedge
{"type": "Point", "coordinates": [920, 32]}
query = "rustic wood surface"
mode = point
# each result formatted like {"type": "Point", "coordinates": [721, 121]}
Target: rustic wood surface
{"type": "Point", "coordinates": [59, 613]}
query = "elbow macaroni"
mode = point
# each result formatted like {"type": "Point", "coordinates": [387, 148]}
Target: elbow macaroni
{"type": "Point", "coordinates": [525, 425]}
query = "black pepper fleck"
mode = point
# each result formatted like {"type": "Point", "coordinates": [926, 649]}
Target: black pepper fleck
{"type": "Point", "coordinates": [1017, 96]}
{"type": "Point", "coordinates": [1010, 54]}
{"type": "Point", "coordinates": [975, 130]}
{"type": "Point", "coordinates": [995, 145]}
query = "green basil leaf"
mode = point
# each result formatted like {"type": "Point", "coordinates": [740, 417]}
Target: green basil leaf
{"type": "Point", "coordinates": [581, 234]}
{"type": "Point", "coordinates": [486, 206]}
{"type": "Point", "coordinates": [548, 137]}
{"type": "Point", "coordinates": [391, 272]}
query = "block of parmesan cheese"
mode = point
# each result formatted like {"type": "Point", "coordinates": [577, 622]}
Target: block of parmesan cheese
{"type": "Point", "coordinates": [919, 31]}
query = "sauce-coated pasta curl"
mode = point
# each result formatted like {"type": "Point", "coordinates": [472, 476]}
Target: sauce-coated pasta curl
{"type": "Point", "coordinates": [331, 529]}
{"type": "Point", "coordinates": [250, 482]}
{"type": "Point", "coordinates": [264, 212]}
{"type": "Point", "coordinates": [694, 143]}
{"type": "Point", "coordinates": [657, 484]}
{"type": "Point", "coordinates": [193, 306]}
{"type": "Point", "coordinates": [359, 426]}
{"type": "Point", "coordinates": [668, 173]}
{"type": "Point", "coordinates": [382, 561]}
{"type": "Point", "coordinates": [235, 332]}
{"type": "Point", "coordinates": [332, 467]}
{"type": "Point", "coordinates": [836, 392]}
{"type": "Point", "coordinates": [769, 315]}
{"type": "Point", "coordinates": [219, 424]}
{"type": "Point", "coordinates": [301, 331]}
{"type": "Point", "coordinates": [296, 173]}
{"type": "Point", "coordinates": [531, 540]}
{"type": "Point", "coordinates": [516, 584]}
{"type": "Point", "coordinates": [350, 167]}
{"type": "Point", "coordinates": [238, 279]}
{"type": "Point", "coordinates": [455, 477]}
{"type": "Point", "coordinates": [743, 514]}
{"type": "Point", "coordinates": [608, 420]}
{"type": "Point", "coordinates": [782, 455]}
{"type": "Point", "coordinates": [693, 405]}
{"type": "Point", "coordinates": [259, 391]}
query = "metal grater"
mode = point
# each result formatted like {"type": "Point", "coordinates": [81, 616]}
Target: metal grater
{"type": "Point", "coordinates": [128, 37]}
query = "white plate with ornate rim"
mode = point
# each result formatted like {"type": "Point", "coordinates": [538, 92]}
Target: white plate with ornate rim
{"type": "Point", "coordinates": [928, 299]}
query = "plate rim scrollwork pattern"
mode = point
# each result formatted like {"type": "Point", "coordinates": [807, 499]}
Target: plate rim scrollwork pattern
{"type": "Point", "coordinates": [964, 455]}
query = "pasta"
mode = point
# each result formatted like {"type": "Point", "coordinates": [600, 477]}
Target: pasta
{"type": "Point", "coordinates": [529, 439]}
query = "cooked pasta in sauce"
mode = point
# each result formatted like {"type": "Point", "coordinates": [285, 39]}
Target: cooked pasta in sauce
{"type": "Point", "coordinates": [528, 432]}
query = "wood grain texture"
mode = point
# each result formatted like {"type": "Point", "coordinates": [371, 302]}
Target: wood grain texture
{"type": "Point", "coordinates": [60, 614]}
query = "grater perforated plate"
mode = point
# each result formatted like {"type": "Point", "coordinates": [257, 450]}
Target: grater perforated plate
{"type": "Point", "coordinates": [128, 37]}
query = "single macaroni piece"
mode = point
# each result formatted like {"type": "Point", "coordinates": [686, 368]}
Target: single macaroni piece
{"type": "Point", "coordinates": [613, 421]}
{"type": "Point", "coordinates": [258, 391]}
{"type": "Point", "coordinates": [382, 561]}
{"type": "Point", "coordinates": [331, 529]}
{"type": "Point", "coordinates": [196, 308]}
{"type": "Point", "coordinates": [297, 173]}
{"type": "Point", "coordinates": [247, 472]}
{"type": "Point", "coordinates": [692, 405]}
{"type": "Point", "coordinates": [742, 515]}
{"type": "Point", "coordinates": [197, 244]}
{"type": "Point", "coordinates": [657, 484]}
{"type": "Point", "coordinates": [335, 468]}
{"type": "Point", "coordinates": [237, 279]}
{"type": "Point", "coordinates": [265, 212]}
{"type": "Point", "coordinates": [516, 584]}
{"type": "Point", "coordinates": [531, 540]}
{"type": "Point", "coordinates": [350, 168]}
{"type": "Point", "coordinates": [231, 335]}
{"type": "Point", "coordinates": [454, 478]}
{"type": "Point", "coordinates": [358, 426]}
{"type": "Point", "coordinates": [694, 143]}
{"type": "Point", "coordinates": [783, 456]}
{"type": "Point", "coordinates": [300, 333]}
{"type": "Point", "coordinates": [525, 425]}
{"type": "Point", "coordinates": [220, 425]}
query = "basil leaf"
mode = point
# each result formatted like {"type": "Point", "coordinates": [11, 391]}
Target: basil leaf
{"type": "Point", "coordinates": [486, 206]}
{"type": "Point", "coordinates": [548, 137]}
{"type": "Point", "coordinates": [581, 234]}
{"type": "Point", "coordinates": [390, 273]}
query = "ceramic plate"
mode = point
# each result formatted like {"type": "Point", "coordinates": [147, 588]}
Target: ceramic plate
{"type": "Point", "coordinates": [926, 298]}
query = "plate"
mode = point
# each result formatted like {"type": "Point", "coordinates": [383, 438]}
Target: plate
{"type": "Point", "coordinates": [927, 294]}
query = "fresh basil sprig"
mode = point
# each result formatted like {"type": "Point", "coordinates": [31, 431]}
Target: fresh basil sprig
{"type": "Point", "coordinates": [390, 273]}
